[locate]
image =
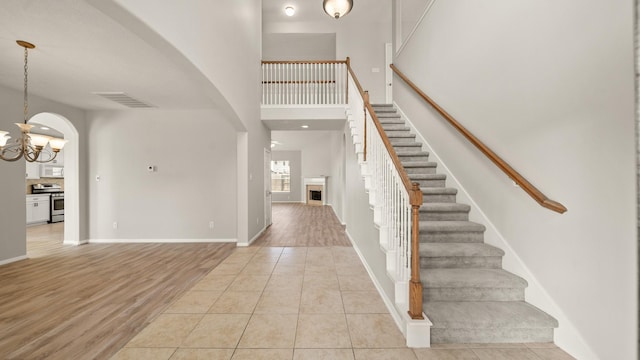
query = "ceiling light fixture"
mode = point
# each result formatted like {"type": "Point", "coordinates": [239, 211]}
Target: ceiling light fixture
{"type": "Point", "coordinates": [289, 10]}
{"type": "Point", "coordinates": [304, 126]}
{"type": "Point", "coordinates": [29, 145]}
{"type": "Point", "coordinates": [337, 8]}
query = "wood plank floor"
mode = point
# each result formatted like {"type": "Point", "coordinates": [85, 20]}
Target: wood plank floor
{"type": "Point", "coordinates": [303, 225]}
{"type": "Point", "coordinates": [87, 302]}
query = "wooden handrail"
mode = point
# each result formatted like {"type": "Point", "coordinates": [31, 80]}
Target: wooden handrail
{"type": "Point", "coordinates": [415, 199]}
{"type": "Point", "coordinates": [536, 194]}
{"type": "Point", "coordinates": [304, 62]}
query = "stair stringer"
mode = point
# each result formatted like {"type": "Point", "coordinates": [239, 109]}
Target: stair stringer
{"type": "Point", "coordinates": [417, 332]}
{"type": "Point", "coordinates": [535, 294]}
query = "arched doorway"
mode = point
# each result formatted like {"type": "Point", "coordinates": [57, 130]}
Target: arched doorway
{"type": "Point", "coordinates": [71, 172]}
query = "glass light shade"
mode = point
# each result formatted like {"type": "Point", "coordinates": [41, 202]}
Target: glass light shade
{"type": "Point", "coordinates": [25, 128]}
{"type": "Point", "coordinates": [56, 143]}
{"type": "Point", "coordinates": [337, 8]}
{"type": "Point", "coordinates": [39, 140]}
{"type": "Point", "coordinates": [289, 10]}
{"type": "Point", "coordinates": [4, 138]}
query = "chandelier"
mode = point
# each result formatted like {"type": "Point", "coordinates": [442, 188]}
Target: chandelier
{"type": "Point", "coordinates": [31, 146]}
{"type": "Point", "coordinates": [337, 8]}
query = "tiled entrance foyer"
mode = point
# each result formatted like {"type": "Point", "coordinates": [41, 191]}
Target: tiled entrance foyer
{"type": "Point", "coordinates": [293, 303]}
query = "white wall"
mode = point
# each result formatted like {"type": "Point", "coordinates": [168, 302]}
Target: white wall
{"type": "Point", "coordinates": [227, 61]}
{"type": "Point", "coordinates": [320, 156]}
{"type": "Point", "coordinates": [358, 216]}
{"type": "Point", "coordinates": [295, 171]}
{"type": "Point", "coordinates": [361, 35]}
{"type": "Point", "coordinates": [194, 153]}
{"type": "Point", "coordinates": [549, 86]}
{"type": "Point", "coordinates": [12, 191]}
{"type": "Point", "coordinates": [298, 46]}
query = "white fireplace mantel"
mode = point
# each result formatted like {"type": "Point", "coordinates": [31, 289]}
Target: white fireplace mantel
{"type": "Point", "coordinates": [316, 180]}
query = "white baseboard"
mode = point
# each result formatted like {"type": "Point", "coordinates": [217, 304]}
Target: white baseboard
{"type": "Point", "coordinates": [9, 261]}
{"type": "Point", "coordinates": [253, 238]}
{"type": "Point", "coordinates": [161, 241]}
{"type": "Point", "coordinates": [416, 332]}
{"type": "Point", "coordinates": [336, 214]}
{"type": "Point", "coordinates": [287, 202]}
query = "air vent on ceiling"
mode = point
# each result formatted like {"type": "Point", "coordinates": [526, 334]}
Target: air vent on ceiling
{"type": "Point", "coordinates": [123, 99]}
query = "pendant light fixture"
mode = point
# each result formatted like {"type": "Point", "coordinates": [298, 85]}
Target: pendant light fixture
{"type": "Point", "coordinates": [337, 8]}
{"type": "Point", "coordinates": [31, 146]}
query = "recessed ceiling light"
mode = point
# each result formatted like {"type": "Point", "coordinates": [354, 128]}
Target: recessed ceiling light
{"type": "Point", "coordinates": [273, 145]}
{"type": "Point", "coordinates": [44, 128]}
{"type": "Point", "coordinates": [289, 10]}
{"type": "Point", "coordinates": [305, 126]}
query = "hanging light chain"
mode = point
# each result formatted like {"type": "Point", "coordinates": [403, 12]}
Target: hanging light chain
{"type": "Point", "coordinates": [26, 98]}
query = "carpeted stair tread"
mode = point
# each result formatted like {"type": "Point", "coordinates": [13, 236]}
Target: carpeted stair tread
{"type": "Point", "coordinates": [417, 164]}
{"type": "Point", "coordinates": [471, 278]}
{"type": "Point", "coordinates": [408, 153]}
{"type": "Point", "coordinates": [427, 176]}
{"type": "Point", "coordinates": [390, 120]}
{"type": "Point", "coordinates": [393, 134]}
{"type": "Point", "coordinates": [458, 250]}
{"type": "Point", "coordinates": [439, 191]}
{"type": "Point", "coordinates": [407, 144]}
{"type": "Point", "coordinates": [385, 115]}
{"type": "Point", "coordinates": [382, 105]}
{"type": "Point", "coordinates": [450, 226]}
{"type": "Point", "coordinates": [444, 207]}
{"type": "Point", "coordinates": [487, 315]}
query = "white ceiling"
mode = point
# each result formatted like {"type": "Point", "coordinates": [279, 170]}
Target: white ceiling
{"type": "Point", "coordinates": [79, 50]}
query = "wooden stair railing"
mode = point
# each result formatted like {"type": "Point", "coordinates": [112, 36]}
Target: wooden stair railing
{"type": "Point", "coordinates": [536, 194]}
{"type": "Point", "coordinates": [416, 199]}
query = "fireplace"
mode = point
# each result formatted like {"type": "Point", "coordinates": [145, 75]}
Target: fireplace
{"type": "Point", "coordinates": [314, 194]}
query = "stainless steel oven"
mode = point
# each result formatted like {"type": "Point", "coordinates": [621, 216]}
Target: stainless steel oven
{"type": "Point", "coordinates": [57, 207]}
{"type": "Point", "coordinates": [56, 213]}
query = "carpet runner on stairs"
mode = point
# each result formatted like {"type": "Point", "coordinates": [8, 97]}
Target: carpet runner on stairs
{"type": "Point", "coordinates": [467, 295]}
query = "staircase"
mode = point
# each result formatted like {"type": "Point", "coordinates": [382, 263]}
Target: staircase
{"type": "Point", "coordinates": [467, 295]}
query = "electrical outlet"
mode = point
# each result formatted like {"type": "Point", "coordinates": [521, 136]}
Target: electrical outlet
{"type": "Point", "coordinates": [211, 224]}
{"type": "Point", "coordinates": [115, 224]}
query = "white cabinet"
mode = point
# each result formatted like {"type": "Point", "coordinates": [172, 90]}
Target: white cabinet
{"type": "Point", "coordinates": [38, 209]}
{"type": "Point", "coordinates": [33, 170]}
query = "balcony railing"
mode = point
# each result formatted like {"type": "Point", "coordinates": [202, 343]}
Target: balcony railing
{"type": "Point", "coordinates": [304, 82]}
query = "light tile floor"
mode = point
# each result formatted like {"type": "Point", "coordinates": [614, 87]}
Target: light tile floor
{"type": "Point", "coordinates": [295, 303]}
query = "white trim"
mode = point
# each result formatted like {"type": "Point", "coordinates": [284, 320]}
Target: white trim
{"type": "Point", "coordinates": [287, 202]}
{"type": "Point", "coordinates": [253, 238]}
{"type": "Point", "coordinates": [417, 333]}
{"type": "Point", "coordinates": [338, 217]}
{"type": "Point", "coordinates": [9, 261]}
{"type": "Point", "coordinates": [388, 302]}
{"type": "Point", "coordinates": [161, 241]}
{"type": "Point", "coordinates": [424, 14]}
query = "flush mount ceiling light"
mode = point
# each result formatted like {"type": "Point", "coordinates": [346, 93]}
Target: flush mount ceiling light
{"type": "Point", "coordinates": [337, 8]}
{"type": "Point", "coordinates": [31, 146]}
{"type": "Point", "coordinates": [289, 10]}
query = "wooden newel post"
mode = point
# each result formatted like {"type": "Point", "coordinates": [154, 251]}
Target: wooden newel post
{"type": "Point", "coordinates": [366, 101]}
{"type": "Point", "coordinates": [415, 285]}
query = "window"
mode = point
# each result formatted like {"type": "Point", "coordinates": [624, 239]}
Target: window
{"type": "Point", "coordinates": [280, 176]}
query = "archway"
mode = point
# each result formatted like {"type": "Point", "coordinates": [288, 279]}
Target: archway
{"type": "Point", "coordinates": [71, 172]}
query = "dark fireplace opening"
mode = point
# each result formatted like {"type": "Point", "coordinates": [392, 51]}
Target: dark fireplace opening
{"type": "Point", "coordinates": [316, 195]}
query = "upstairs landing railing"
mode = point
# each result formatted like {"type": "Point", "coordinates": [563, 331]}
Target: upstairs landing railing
{"type": "Point", "coordinates": [304, 82]}
{"type": "Point", "coordinates": [396, 199]}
